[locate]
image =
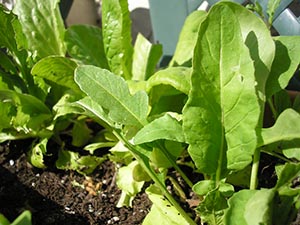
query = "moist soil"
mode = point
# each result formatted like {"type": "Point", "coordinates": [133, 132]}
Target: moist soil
{"type": "Point", "coordinates": [63, 197]}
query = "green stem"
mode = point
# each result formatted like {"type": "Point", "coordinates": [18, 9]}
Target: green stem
{"type": "Point", "coordinates": [272, 107]}
{"type": "Point", "coordinates": [143, 161]}
{"type": "Point", "coordinates": [277, 156]}
{"type": "Point", "coordinates": [254, 171]}
{"type": "Point", "coordinates": [176, 167]}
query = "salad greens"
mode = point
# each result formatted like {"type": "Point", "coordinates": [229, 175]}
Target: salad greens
{"type": "Point", "coordinates": [206, 110]}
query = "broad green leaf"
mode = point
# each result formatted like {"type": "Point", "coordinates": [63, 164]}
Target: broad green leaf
{"type": "Point", "coordinates": [177, 77]}
{"type": "Point", "coordinates": [57, 69]}
{"type": "Point", "coordinates": [286, 128]}
{"type": "Point", "coordinates": [85, 43]}
{"type": "Point", "coordinates": [260, 44]}
{"type": "Point", "coordinates": [187, 39]}
{"type": "Point", "coordinates": [162, 211]}
{"type": "Point", "coordinates": [165, 127]}
{"type": "Point", "coordinates": [116, 29]}
{"type": "Point", "coordinates": [42, 25]}
{"type": "Point", "coordinates": [145, 58]}
{"type": "Point", "coordinates": [250, 207]}
{"type": "Point", "coordinates": [37, 152]}
{"type": "Point", "coordinates": [285, 63]}
{"type": "Point", "coordinates": [111, 92]}
{"type": "Point", "coordinates": [127, 184]}
{"type": "Point", "coordinates": [222, 110]}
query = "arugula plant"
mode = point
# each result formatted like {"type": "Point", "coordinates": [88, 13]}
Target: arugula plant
{"type": "Point", "coordinates": [37, 85]}
{"type": "Point", "coordinates": [208, 104]}
{"type": "Point", "coordinates": [213, 103]}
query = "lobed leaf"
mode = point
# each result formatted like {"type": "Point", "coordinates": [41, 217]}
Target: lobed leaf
{"type": "Point", "coordinates": [111, 92]}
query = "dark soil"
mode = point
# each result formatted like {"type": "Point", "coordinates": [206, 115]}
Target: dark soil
{"type": "Point", "coordinates": [62, 197]}
{"type": "Point", "coordinates": [56, 197]}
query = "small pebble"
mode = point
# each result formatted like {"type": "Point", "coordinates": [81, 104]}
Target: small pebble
{"type": "Point", "coordinates": [11, 162]}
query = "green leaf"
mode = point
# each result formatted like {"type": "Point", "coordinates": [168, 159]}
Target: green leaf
{"type": "Point", "coordinates": [286, 128]}
{"type": "Point", "coordinates": [81, 133]}
{"type": "Point", "coordinates": [23, 219]}
{"type": "Point", "coordinates": [145, 58]}
{"type": "Point", "coordinates": [85, 43]}
{"type": "Point", "coordinates": [67, 105]}
{"type": "Point", "coordinates": [286, 174]}
{"type": "Point", "coordinates": [212, 207]}
{"type": "Point", "coordinates": [222, 110]}
{"type": "Point", "coordinates": [116, 25]}
{"type": "Point", "coordinates": [162, 211]}
{"type": "Point", "coordinates": [42, 25]}
{"type": "Point", "coordinates": [3, 220]}
{"type": "Point", "coordinates": [57, 69]}
{"type": "Point", "coordinates": [285, 63]}
{"type": "Point", "coordinates": [165, 127]}
{"type": "Point", "coordinates": [127, 184]}
{"type": "Point", "coordinates": [68, 160]}
{"type": "Point", "coordinates": [11, 37]}
{"type": "Point", "coordinates": [28, 114]}
{"type": "Point", "coordinates": [250, 207]}
{"type": "Point", "coordinates": [37, 152]}
{"type": "Point", "coordinates": [111, 92]}
{"type": "Point", "coordinates": [94, 110]}
{"type": "Point", "coordinates": [188, 38]}
{"type": "Point", "coordinates": [260, 44]}
{"type": "Point", "coordinates": [177, 77]}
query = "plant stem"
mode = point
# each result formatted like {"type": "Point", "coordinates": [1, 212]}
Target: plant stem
{"type": "Point", "coordinates": [176, 167]}
{"type": "Point", "coordinates": [277, 155]}
{"type": "Point", "coordinates": [254, 171]}
{"type": "Point", "coordinates": [144, 162]}
{"type": "Point", "coordinates": [272, 107]}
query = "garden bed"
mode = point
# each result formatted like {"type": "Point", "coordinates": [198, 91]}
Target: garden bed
{"type": "Point", "coordinates": [63, 197]}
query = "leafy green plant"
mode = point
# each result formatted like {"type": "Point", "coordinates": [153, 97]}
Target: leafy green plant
{"type": "Point", "coordinates": [37, 85]}
{"type": "Point", "coordinates": [216, 107]}
{"type": "Point", "coordinates": [206, 110]}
